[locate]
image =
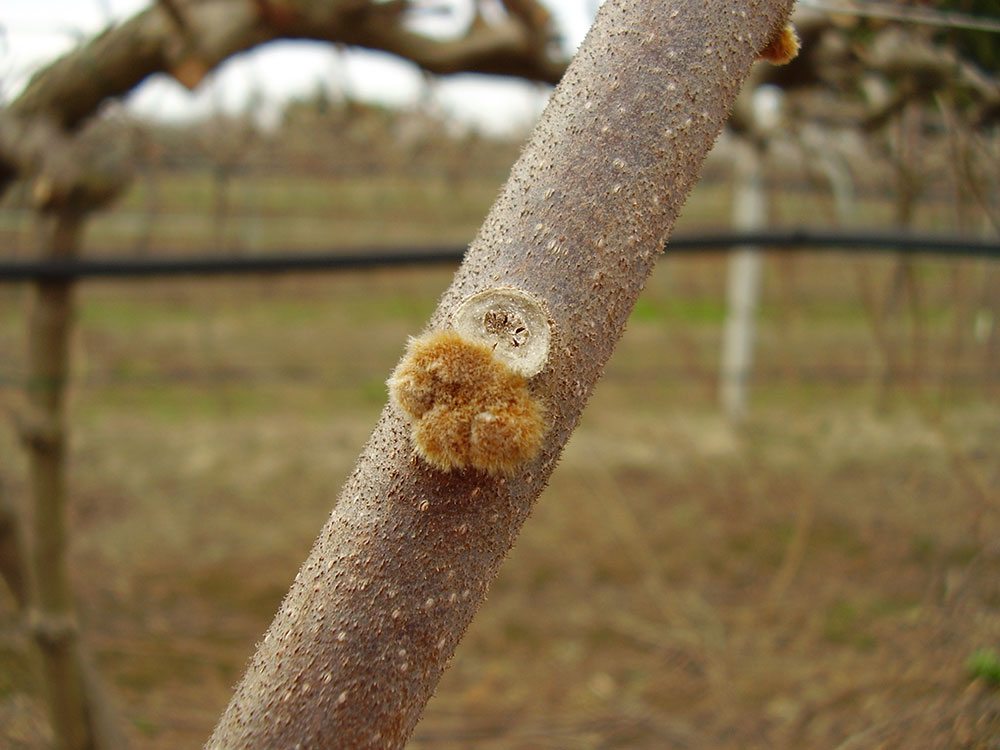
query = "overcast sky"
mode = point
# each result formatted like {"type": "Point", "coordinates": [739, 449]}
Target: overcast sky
{"type": "Point", "coordinates": [34, 32]}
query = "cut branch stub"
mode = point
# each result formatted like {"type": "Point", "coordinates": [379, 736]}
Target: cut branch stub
{"type": "Point", "coordinates": [511, 322]}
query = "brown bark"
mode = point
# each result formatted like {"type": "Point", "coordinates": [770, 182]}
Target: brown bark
{"type": "Point", "coordinates": [77, 704]}
{"type": "Point", "coordinates": [53, 621]}
{"type": "Point", "coordinates": [408, 553]}
{"type": "Point", "coordinates": [72, 176]}
{"type": "Point", "coordinates": [44, 434]}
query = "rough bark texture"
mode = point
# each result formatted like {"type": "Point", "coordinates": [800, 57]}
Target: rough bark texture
{"type": "Point", "coordinates": [408, 553]}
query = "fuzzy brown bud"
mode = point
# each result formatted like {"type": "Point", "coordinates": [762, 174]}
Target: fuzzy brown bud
{"type": "Point", "coordinates": [467, 407]}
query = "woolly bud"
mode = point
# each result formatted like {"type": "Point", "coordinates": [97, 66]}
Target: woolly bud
{"type": "Point", "coordinates": [465, 391]}
{"type": "Point", "coordinates": [781, 48]}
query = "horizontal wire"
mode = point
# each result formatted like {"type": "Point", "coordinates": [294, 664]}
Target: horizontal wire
{"type": "Point", "coordinates": [968, 375]}
{"type": "Point", "coordinates": [362, 258]}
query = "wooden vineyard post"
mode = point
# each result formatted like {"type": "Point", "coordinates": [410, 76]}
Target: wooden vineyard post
{"type": "Point", "coordinates": [78, 707]}
{"type": "Point", "coordinates": [743, 282]}
{"type": "Point", "coordinates": [52, 618]}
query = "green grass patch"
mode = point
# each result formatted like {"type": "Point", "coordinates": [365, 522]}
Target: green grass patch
{"type": "Point", "coordinates": [130, 315]}
{"type": "Point", "coordinates": [984, 664]}
{"type": "Point", "coordinates": [146, 727]}
{"type": "Point", "coordinates": [170, 403]}
{"type": "Point", "coordinates": [694, 311]}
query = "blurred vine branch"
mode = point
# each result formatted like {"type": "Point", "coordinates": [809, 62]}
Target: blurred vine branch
{"type": "Point", "coordinates": [188, 39]}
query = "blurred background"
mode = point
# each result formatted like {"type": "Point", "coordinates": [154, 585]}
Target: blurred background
{"type": "Point", "coordinates": [778, 523]}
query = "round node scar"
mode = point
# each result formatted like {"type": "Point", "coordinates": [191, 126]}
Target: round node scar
{"type": "Point", "coordinates": [511, 322]}
{"type": "Point", "coordinates": [468, 407]}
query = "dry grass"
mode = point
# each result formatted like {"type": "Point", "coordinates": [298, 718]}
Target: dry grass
{"type": "Point", "coordinates": [817, 578]}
